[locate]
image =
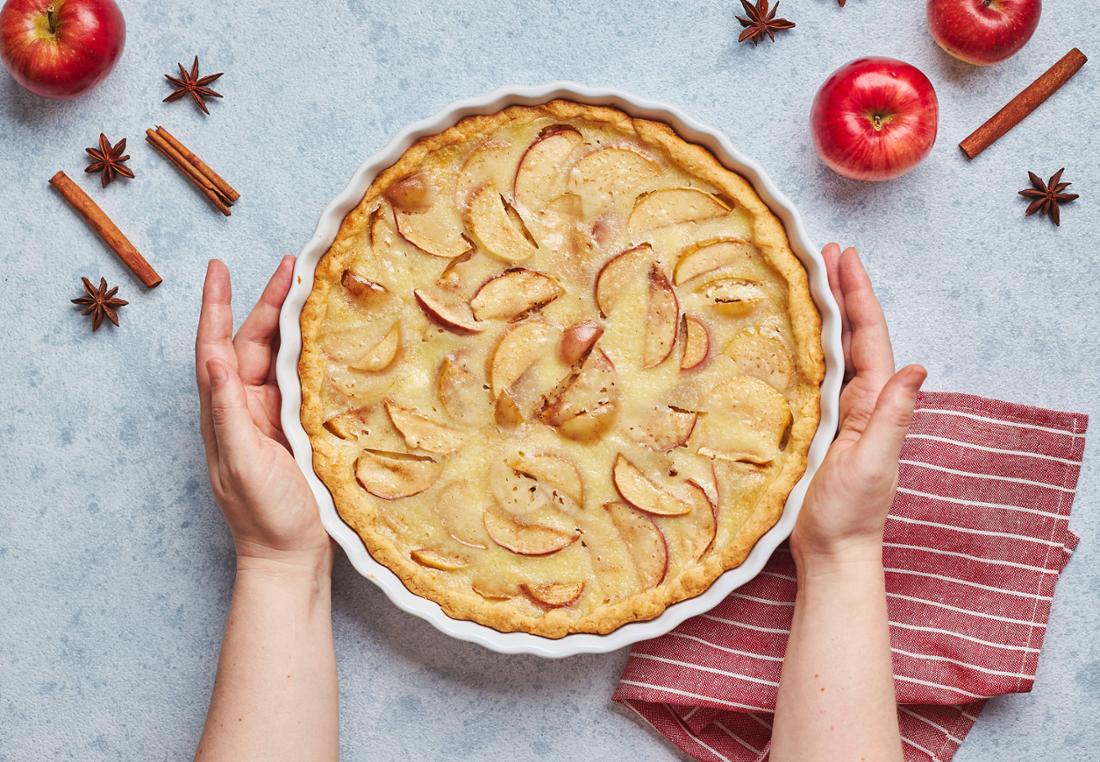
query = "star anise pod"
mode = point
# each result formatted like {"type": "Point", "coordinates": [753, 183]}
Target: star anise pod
{"type": "Point", "coordinates": [109, 160]}
{"type": "Point", "coordinates": [190, 83]}
{"type": "Point", "coordinates": [759, 21]}
{"type": "Point", "coordinates": [1046, 197]}
{"type": "Point", "coordinates": [99, 302]}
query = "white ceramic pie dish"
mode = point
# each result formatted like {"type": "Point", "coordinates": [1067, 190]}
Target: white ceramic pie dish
{"type": "Point", "coordinates": [290, 348]}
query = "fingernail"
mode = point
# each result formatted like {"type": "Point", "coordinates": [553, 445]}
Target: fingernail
{"type": "Point", "coordinates": [219, 374]}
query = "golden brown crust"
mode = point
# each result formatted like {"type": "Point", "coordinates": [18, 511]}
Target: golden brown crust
{"type": "Point", "coordinates": [769, 237]}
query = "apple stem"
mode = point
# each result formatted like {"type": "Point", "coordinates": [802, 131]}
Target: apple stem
{"type": "Point", "coordinates": [51, 18]}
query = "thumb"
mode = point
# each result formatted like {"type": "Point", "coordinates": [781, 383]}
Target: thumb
{"type": "Point", "coordinates": [893, 413]}
{"type": "Point", "coordinates": [233, 427]}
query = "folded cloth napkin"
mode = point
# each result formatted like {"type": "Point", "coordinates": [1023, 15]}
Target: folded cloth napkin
{"type": "Point", "coordinates": [974, 544]}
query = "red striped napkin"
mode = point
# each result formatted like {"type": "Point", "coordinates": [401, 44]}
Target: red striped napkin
{"type": "Point", "coordinates": [974, 544]}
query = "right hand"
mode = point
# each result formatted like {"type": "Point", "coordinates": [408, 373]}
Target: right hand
{"type": "Point", "coordinates": [844, 513]}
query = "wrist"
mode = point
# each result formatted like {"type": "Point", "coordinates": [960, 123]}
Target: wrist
{"type": "Point", "coordinates": [305, 563]}
{"type": "Point", "coordinates": [837, 558]}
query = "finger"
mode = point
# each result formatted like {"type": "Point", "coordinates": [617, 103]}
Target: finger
{"type": "Point", "coordinates": [229, 415]}
{"type": "Point", "coordinates": [255, 340]}
{"type": "Point", "coordinates": [831, 254]}
{"type": "Point", "coordinates": [889, 423]}
{"type": "Point", "coordinates": [871, 354]}
{"type": "Point", "coordinates": [212, 339]}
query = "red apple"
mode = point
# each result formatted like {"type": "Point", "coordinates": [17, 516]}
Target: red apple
{"type": "Point", "coordinates": [61, 48]}
{"type": "Point", "coordinates": [983, 32]}
{"type": "Point", "coordinates": [874, 119]}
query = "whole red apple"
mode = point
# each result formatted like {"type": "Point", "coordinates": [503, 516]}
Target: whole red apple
{"type": "Point", "coordinates": [874, 119]}
{"type": "Point", "coordinates": [983, 32]}
{"type": "Point", "coordinates": [61, 48]}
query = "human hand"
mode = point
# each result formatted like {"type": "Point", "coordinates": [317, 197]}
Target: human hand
{"type": "Point", "coordinates": [267, 503]}
{"type": "Point", "coordinates": [845, 509]}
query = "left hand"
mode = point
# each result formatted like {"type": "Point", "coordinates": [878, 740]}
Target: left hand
{"type": "Point", "coordinates": [267, 503]}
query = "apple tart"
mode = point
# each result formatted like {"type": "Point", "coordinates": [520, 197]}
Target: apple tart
{"type": "Point", "coordinates": [560, 369]}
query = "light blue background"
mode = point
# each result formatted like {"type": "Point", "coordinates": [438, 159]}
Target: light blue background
{"type": "Point", "coordinates": [115, 566]}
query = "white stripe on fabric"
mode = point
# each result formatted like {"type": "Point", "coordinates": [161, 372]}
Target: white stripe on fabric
{"type": "Point", "coordinates": [725, 648]}
{"type": "Point", "coordinates": [927, 721]}
{"type": "Point", "coordinates": [964, 664]}
{"type": "Point", "coordinates": [971, 612]}
{"type": "Point", "coordinates": [780, 576]}
{"type": "Point", "coordinates": [967, 582]}
{"type": "Point", "coordinates": [994, 477]}
{"type": "Point", "coordinates": [995, 450]}
{"type": "Point", "coordinates": [980, 504]}
{"type": "Point", "coordinates": [691, 712]}
{"type": "Point", "coordinates": [736, 737]}
{"type": "Point", "coordinates": [932, 684]}
{"type": "Point", "coordinates": [696, 738]}
{"type": "Point", "coordinates": [918, 747]}
{"type": "Point", "coordinates": [772, 630]}
{"type": "Point", "coordinates": [982, 532]}
{"type": "Point", "coordinates": [969, 557]}
{"type": "Point", "coordinates": [968, 715]}
{"type": "Point", "coordinates": [759, 721]}
{"type": "Point", "coordinates": [971, 638]}
{"type": "Point", "coordinates": [688, 694]}
{"type": "Point", "coordinates": [975, 417]}
{"type": "Point", "coordinates": [765, 601]}
{"type": "Point", "coordinates": [702, 668]}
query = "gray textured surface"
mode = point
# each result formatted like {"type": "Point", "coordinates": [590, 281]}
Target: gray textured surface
{"type": "Point", "coordinates": [115, 567]}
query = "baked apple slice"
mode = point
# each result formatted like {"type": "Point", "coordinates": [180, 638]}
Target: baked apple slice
{"type": "Point", "coordinates": [526, 539]}
{"type": "Point", "coordinates": [422, 433]}
{"type": "Point", "coordinates": [733, 295]}
{"type": "Point", "coordinates": [600, 175]}
{"type": "Point", "coordinates": [517, 493]}
{"type": "Point", "coordinates": [639, 491]}
{"type": "Point", "coordinates": [460, 515]}
{"type": "Point", "coordinates": [394, 475]}
{"type": "Point", "coordinates": [436, 230]}
{"type": "Point", "coordinates": [435, 559]}
{"type": "Point", "coordinates": [707, 256]}
{"type": "Point", "coordinates": [747, 422]}
{"type": "Point", "coordinates": [363, 290]}
{"type": "Point", "coordinates": [506, 411]}
{"type": "Point", "coordinates": [662, 319]}
{"type": "Point", "coordinates": [453, 316]}
{"type": "Point", "coordinates": [381, 355]}
{"type": "Point", "coordinates": [541, 167]}
{"type": "Point", "coordinates": [584, 406]}
{"type": "Point", "coordinates": [350, 424]}
{"type": "Point", "coordinates": [645, 543]}
{"type": "Point", "coordinates": [665, 429]}
{"type": "Point", "coordinates": [696, 343]}
{"type": "Point", "coordinates": [519, 348]}
{"type": "Point", "coordinates": [759, 355]}
{"type": "Point", "coordinates": [514, 293]}
{"type": "Point", "coordinates": [703, 527]}
{"type": "Point", "coordinates": [673, 206]}
{"type": "Point", "coordinates": [615, 277]}
{"type": "Point", "coordinates": [577, 341]}
{"type": "Point", "coordinates": [411, 193]}
{"type": "Point", "coordinates": [460, 392]}
{"type": "Point", "coordinates": [498, 227]}
{"type": "Point", "coordinates": [553, 471]}
{"type": "Point", "coordinates": [553, 595]}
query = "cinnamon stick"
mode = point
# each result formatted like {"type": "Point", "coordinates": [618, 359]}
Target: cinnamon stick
{"type": "Point", "coordinates": [1023, 104]}
{"type": "Point", "coordinates": [228, 193]}
{"type": "Point", "coordinates": [98, 220]}
{"type": "Point", "coordinates": [197, 178]}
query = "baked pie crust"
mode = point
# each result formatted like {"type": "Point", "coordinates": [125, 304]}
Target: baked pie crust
{"type": "Point", "coordinates": [560, 369]}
